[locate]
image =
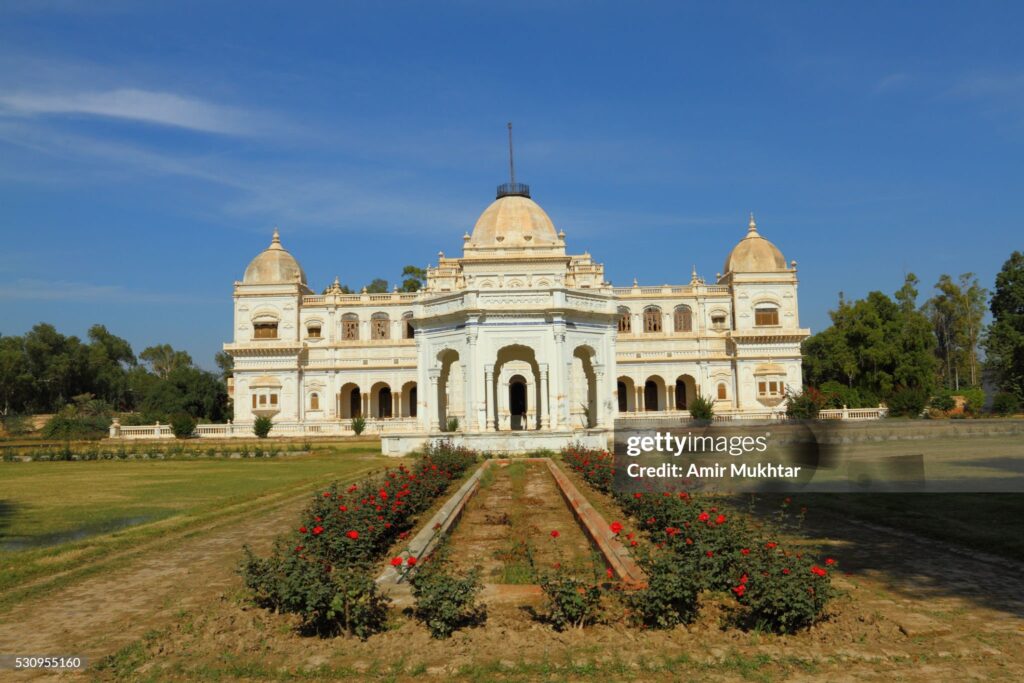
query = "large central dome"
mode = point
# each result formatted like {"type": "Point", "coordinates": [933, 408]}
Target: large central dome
{"type": "Point", "coordinates": [514, 221]}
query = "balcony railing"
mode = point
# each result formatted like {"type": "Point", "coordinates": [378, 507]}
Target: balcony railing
{"type": "Point", "coordinates": [513, 190]}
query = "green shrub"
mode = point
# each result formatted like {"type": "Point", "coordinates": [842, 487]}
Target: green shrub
{"type": "Point", "coordinates": [1005, 403]}
{"type": "Point", "coordinates": [570, 601]}
{"type": "Point", "coordinates": [781, 591]}
{"type": "Point", "coordinates": [974, 400]}
{"type": "Point", "coordinates": [183, 425]}
{"type": "Point", "coordinates": [907, 402]}
{"type": "Point", "coordinates": [671, 594]}
{"type": "Point", "coordinates": [261, 427]}
{"type": "Point", "coordinates": [838, 395]}
{"type": "Point", "coordinates": [447, 600]}
{"type": "Point", "coordinates": [943, 401]}
{"type": "Point", "coordinates": [17, 425]}
{"type": "Point", "coordinates": [67, 425]}
{"type": "Point", "coordinates": [329, 601]}
{"type": "Point", "coordinates": [702, 409]}
{"type": "Point", "coordinates": [452, 424]}
{"type": "Point", "coordinates": [358, 424]}
{"type": "Point", "coordinates": [805, 405]}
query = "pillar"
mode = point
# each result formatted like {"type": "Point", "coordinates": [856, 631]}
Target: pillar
{"type": "Point", "coordinates": [544, 407]}
{"type": "Point", "coordinates": [490, 396]}
{"type": "Point", "coordinates": [435, 411]}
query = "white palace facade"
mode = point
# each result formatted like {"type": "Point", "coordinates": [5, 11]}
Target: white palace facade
{"type": "Point", "coordinates": [516, 344]}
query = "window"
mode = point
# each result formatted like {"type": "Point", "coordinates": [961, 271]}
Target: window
{"type": "Point", "coordinates": [768, 388]}
{"type": "Point", "coordinates": [264, 330]}
{"type": "Point", "coordinates": [254, 400]}
{"type": "Point", "coordinates": [313, 330]}
{"type": "Point", "coordinates": [766, 315]}
{"type": "Point", "coordinates": [625, 321]}
{"type": "Point", "coordinates": [409, 331]}
{"type": "Point", "coordinates": [314, 401]}
{"type": "Point", "coordinates": [380, 326]}
{"type": "Point", "coordinates": [718, 321]}
{"type": "Point", "coordinates": [652, 319]}
{"type": "Point", "coordinates": [683, 319]}
{"type": "Point", "coordinates": [721, 391]}
{"type": "Point", "coordinates": [273, 399]}
{"type": "Point", "coordinates": [263, 399]}
{"type": "Point", "coordinates": [350, 327]}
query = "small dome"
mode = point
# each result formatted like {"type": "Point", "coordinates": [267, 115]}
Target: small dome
{"type": "Point", "coordinates": [274, 266]}
{"type": "Point", "coordinates": [514, 221]}
{"type": "Point", "coordinates": [754, 254]}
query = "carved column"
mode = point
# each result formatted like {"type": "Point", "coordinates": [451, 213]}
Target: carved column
{"type": "Point", "coordinates": [489, 398]}
{"type": "Point", "coordinates": [545, 397]}
{"type": "Point", "coordinates": [435, 412]}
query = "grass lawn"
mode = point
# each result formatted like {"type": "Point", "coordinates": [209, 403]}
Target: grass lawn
{"type": "Point", "coordinates": [56, 516]}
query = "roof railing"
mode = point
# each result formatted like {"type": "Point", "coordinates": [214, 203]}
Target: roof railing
{"type": "Point", "coordinates": [513, 190]}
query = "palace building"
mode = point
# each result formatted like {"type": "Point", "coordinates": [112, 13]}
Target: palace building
{"type": "Point", "coordinates": [514, 345]}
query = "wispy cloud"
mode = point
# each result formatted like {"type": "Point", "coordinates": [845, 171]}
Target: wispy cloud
{"type": "Point", "coordinates": [31, 289]}
{"type": "Point", "coordinates": [1008, 86]}
{"type": "Point", "coordinates": [146, 106]}
{"type": "Point", "coordinates": [894, 81]}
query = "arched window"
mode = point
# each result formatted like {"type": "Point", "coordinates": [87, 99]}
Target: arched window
{"type": "Point", "coordinates": [766, 314]}
{"type": "Point", "coordinates": [625, 321]}
{"type": "Point", "coordinates": [652, 319]}
{"type": "Point", "coordinates": [721, 391]}
{"type": "Point", "coordinates": [683, 319]}
{"type": "Point", "coordinates": [314, 401]}
{"type": "Point", "coordinates": [313, 330]}
{"type": "Point", "coordinates": [380, 326]}
{"type": "Point", "coordinates": [408, 330]}
{"type": "Point", "coordinates": [350, 327]}
{"type": "Point", "coordinates": [718, 320]}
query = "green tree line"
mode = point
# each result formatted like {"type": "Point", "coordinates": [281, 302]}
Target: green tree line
{"type": "Point", "coordinates": [44, 371]}
{"type": "Point", "coordinates": [891, 350]}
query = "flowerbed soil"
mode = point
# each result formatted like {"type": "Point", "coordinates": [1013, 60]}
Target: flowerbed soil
{"type": "Point", "coordinates": [519, 505]}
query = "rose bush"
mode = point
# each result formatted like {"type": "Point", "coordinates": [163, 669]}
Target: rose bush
{"type": "Point", "coordinates": [344, 531]}
{"type": "Point", "coordinates": [700, 543]}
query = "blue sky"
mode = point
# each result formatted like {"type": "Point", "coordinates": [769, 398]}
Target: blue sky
{"type": "Point", "coordinates": [147, 150]}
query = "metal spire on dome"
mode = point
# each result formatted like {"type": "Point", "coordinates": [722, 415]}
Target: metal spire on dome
{"type": "Point", "coordinates": [512, 188]}
{"type": "Point", "coordinates": [752, 226]}
{"type": "Point", "coordinates": [275, 241]}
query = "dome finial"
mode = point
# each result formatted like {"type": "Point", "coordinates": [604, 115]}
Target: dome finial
{"type": "Point", "coordinates": [752, 227]}
{"type": "Point", "coordinates": [275, 241]}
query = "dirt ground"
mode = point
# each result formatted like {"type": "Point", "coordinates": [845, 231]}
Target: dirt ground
{"type": "Point", "coordinates": [912, 610]}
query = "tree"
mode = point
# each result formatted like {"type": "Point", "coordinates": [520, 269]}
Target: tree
{"type": "Point", "coordinates": [226, 363]}
{"type": "Point", "coordinates": [875, 345]}
{"type": "Point", "coordinates": [1004, 338]}
{"type": "Point", "coordinates": [15, 379]}
{"type": "Point", "coordinates": [414, 279]}
{"type": "Point", "coordinates": [162, 359]}
{"type": "Point", "coordinates": [955, 313]}
{"type": "Point", "coordinates": [110, 358]}
{"type": "Point", "coordinates": [378, 286]}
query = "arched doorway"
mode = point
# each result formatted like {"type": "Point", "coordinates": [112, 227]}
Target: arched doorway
{"type": "Point", "coordinates": [517, 401]}
{"type": "Point", "coordinates": [621, 390]}
{"type": "Point", "coordinates": [681, 396]}
{"type": "Point", "coordinates": [384, 402]}
{"type": "Point", "coordinates": [408, 402]}
{"type": "Point", "coordinates": [584, 388]}
{"type": "Point", "coordinates": [651, 395]}
{"type": "Point", "coordinates": [355, 403]}
{"type": "Point", "coordinates": [626, 390]}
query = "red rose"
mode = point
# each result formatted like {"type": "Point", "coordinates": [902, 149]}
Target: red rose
{"type": "Point", "coordinates": [830, 561]}
{"type": "Point", "coordinates": [818, 571]}
{"type": "Point", "coordinates": [684, 495]}
{"type": "Point", "coordinates": [396, 562]}
{"type": "Point", "coordinates": [317, 530]}
{"type": "Point", "coordinates": [638, 495]}
{"type": "Point", "coordinates": [327, 494]}
{"type": "Point", "coordinates": [785, 571]}
{"type": "Point", "coordinates": [720, 519]}
{"type": "Point", "coordinates": [343, 508]}
{"type": "Point", "coordinates": [353, 534]}
{"type": "Point", "coordinates": [609, 572]}
{"type": "Point", "coordinates": [771, 545]}
{"type": "Point", "coordinates": [298, 548]}
{"type": "Point", "coordinates": [744, 551]}
{"type": "Point", "coordinates": [743, 579]}
{"type": "Point", "coordinates": [411, 562]}
{"type": "Point", "coordinates": [709, 553]}
{"type": "Point", "coordinates": [554, 533]}
{"type": "Point", "coordinates": [302, 530]}
{"type": "Point", "coordinates": [616, 527]}
{"type": "Point", "coordinates": [739, 590]}
{"type": "Point", "coordinates": [703, 517]}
